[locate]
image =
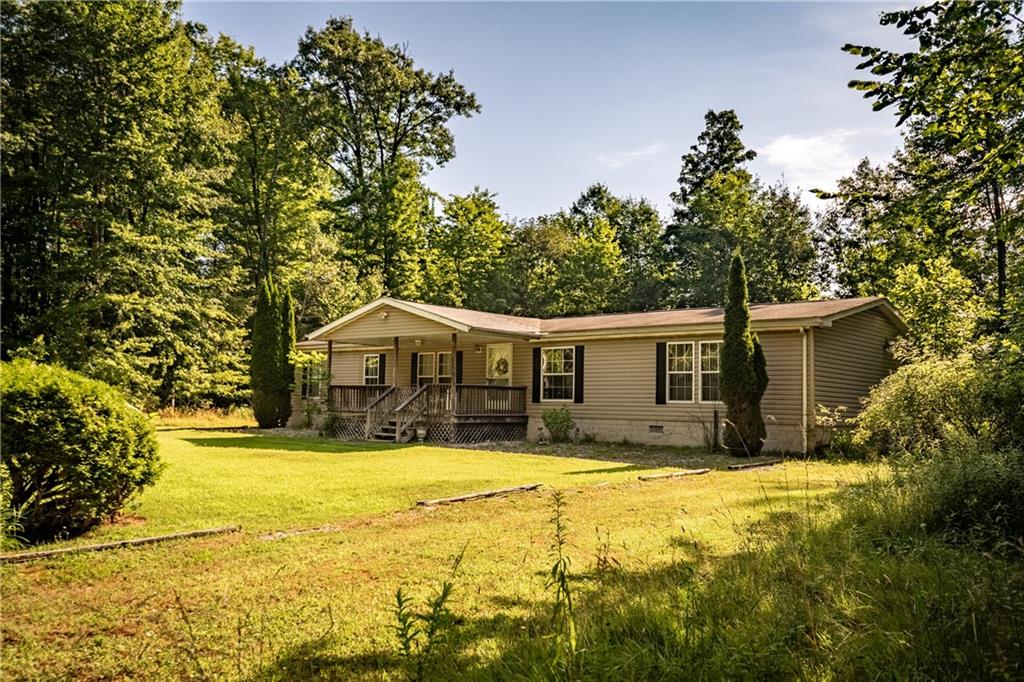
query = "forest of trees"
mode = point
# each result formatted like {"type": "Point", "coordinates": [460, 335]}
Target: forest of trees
{"type": "Point", "coordinates": [155, 177]}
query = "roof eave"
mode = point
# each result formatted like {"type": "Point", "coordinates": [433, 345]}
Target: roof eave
{"type": "Point", "coordinates": [678, 329]}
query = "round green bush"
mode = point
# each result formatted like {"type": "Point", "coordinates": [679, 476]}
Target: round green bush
{"type": "Point", "coordinates": [74, 450]}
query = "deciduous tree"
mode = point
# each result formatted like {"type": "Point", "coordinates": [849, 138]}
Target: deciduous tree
{"type": "Point", "coordinates": [377, 122]}
{"type": "Point", "coordinates": [466, 250]}
{"type": "Point", "coordinates": [113, 146]}
{"type": "Point", "coordinates": [961, 96]}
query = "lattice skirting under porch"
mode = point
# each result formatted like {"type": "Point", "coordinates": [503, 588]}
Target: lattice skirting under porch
{"type": "Point", "coordinates": [475, 433]}
{"type": "Point", "coordinates": [345, 428]}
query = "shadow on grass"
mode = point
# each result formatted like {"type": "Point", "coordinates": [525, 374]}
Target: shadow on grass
{"type": "Point", "coordinates": [314, 660]}
{"type": "Point", "coordinates": [615, 470]}
{"type": "Point", "coordinates": [262, 442]}
{"type": "Point", "coordinates": [802, 597]}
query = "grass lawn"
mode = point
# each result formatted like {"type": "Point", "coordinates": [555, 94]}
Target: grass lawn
{"type": "Point", "coordinates": [243, 606]}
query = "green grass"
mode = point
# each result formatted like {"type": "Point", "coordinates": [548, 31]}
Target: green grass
{"type": "Point", "coordinates": [267, 482]}
{"type": "Point", "coordinates": [241, 606]}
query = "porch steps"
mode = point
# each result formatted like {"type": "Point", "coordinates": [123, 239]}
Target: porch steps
{"type": "Point", "coordinates": [386, 433]}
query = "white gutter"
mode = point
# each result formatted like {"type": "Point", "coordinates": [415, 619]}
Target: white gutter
{"type": "Point", "coordinates": [803, 386]}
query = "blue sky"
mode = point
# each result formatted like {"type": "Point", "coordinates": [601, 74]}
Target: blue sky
{"type": "Point", "coordinates": [575, 93]}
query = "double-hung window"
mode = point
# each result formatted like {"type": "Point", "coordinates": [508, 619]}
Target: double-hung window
{"type": "Point", "coordinates": [557, 373]}
{"type": "Point", "coordinates": [680, 371]}
{"type": "Point", "coordinates": [425, 368]}
{"type": "Point", "coordinates": [444, 368]}
{"type": "Point", "coordinates": [710, 362]}
{"type": "Point", "coordinates": [371, 369]}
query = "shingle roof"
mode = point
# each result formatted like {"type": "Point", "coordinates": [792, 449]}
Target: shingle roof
{"type": "Point", "coordinates": [481, 320]}
{"type": "Point", "coordinates": [763, 312]}
{"type": "Point", "coordinates": [767, 313]}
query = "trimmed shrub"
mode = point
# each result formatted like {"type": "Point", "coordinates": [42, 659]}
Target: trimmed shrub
{"type": "Point", "coordinates": [559, 423]}
{"type": "Point", "coordinates": [74, 450]}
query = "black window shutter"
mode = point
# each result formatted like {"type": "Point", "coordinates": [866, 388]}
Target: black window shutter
{"type": "Point", "coordinates": [382, 369]}
{"type": "Point", "coordinates": [660, 370]}
{"type": "Point", "coordinates": [536, 375]}
{"type": "Point", "coordinates": [458, 366]}
{"type": "Point", "coordinates": [414, 376]}
{"type": "Point", "coordinates": [577, 392]}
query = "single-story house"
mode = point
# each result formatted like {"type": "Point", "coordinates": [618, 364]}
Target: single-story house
{"type": "Point", "coordinates": [399, 370]}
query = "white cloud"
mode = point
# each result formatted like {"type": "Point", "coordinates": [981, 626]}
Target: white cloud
{"type": "Point", "coordinates": [818, 161]}
{"type": "Point", "coordinates": [618, 160]}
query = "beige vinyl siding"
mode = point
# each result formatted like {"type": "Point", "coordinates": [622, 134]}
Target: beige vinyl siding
{"type": "Point", "coordinates": [850, 357]}
{"type": "Point", "coordinates": [619, 381]}
{"type": "Point", "coordinates": [398, 323]}
{"type": "Point", "coordinates": [347, 366]}
{"type": "Point", "coordinates": [472, 362]}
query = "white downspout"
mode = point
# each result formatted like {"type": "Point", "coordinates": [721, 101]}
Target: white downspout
{"type": "Point", "coordinates": [803, 401]}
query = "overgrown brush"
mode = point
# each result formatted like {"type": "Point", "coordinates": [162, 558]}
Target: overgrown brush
{"type": "Point", "coordinates": [878, 585]}
{"type": "Point", "coordinates": [423, 629]}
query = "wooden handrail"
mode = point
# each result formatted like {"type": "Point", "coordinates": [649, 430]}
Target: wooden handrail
{"type": "Point", "coordinates": [382, 396]}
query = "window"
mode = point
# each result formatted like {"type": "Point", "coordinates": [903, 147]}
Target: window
{"type": "Point", "coordinates": [425, 368]}
{"type": "Point", "coordinates": [371, 369]}
{"type": "Point", "coordinates": [557, 367]}
{"type": "Point", "coordinates": [444, 368]}
{"type": "Point", "coordinates": [314, 381]}
{"type": "Point", "coordinates": [680, 372]}
{"type": "Point", "coordinates": [710, 354]}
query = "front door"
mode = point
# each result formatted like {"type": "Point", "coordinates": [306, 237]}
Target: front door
{"type": "Point", "coordinates": [499, 364]}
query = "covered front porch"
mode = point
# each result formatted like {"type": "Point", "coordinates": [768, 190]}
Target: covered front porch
{"type": "Point", "coordinates": [459, 413]}
{"type": "Point", "coordinates": [401, 372]}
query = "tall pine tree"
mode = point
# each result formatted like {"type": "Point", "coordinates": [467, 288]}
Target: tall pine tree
{"type": "Point", "coordinates": [743, 377]}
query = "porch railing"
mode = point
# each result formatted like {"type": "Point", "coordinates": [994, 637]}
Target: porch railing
{"type": "Point", "coordinates": [354, 398]}
{"type": "Point", "coordinates": [484, 400]}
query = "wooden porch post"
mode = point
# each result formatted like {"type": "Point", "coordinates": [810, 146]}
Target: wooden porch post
{"type": "Point", "coordinates": [453, 400]}
{"type": "Point", "coordinates": [394, 366]}
{"type": "Point", "coordinates": [455, 337]}
{"type": "Point", "coordinates": [330, 358]}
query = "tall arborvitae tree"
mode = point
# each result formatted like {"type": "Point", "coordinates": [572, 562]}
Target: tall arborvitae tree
{"type": "Point", "coordinates": [265, 363]}
{"type": "Point", "coordinates": [287, 367]}
{"type": "Point", "coordinates": [743, 375]}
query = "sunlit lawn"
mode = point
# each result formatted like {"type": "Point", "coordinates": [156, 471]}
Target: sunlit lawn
{"type": "Point", "coordinates": [266, 482]}
{"type": "Point", "coordinates": [240, 605]}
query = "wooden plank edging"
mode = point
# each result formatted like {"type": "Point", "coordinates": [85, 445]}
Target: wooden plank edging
{"type": "Point", "coordinates": [31, 556]}
{"type": "Point", "coordinates": [479, 495]}
{"type": "Point", "coordinates": [754, 465]}
{"type": "Point", "coordinates": [674, 474]}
